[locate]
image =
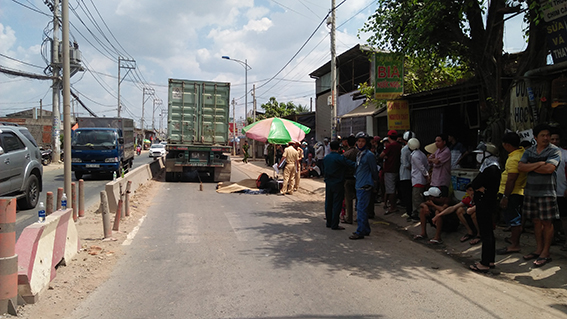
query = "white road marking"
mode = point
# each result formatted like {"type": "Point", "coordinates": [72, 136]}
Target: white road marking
{"type": "Point", "coordinates": [133, 233]}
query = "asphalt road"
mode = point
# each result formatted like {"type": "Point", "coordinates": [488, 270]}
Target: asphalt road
{"type": "Point", "coordinates": [53, 179]}
{"type": "Point", "coordinates": [208, 255]}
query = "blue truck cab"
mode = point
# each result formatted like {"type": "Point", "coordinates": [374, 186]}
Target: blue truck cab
{"type": "Point", "coordinates": [102, 146]}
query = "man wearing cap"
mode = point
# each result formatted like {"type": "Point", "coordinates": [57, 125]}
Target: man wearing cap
{"type": "Point", "coordinates": [540, 197]}
{"type": "Point", "coordinates": [440, 161]}
{"type": "Point", "coordinates": [511, 192]}
{"type": "Point", "coordinates": [391, 156]}
{"type": "Point", "coordinates": [366, 172]}
{"type": "Point", "coordinates": [336, 165]}
{"type": "Point", "coordinates": [435, 203]}
{"type": "Point", "coordinates": [419, 176]}
{"type": "Point", "coordinates": [290, 156]}
{"type": "Point", "coordinates": [485, 186]}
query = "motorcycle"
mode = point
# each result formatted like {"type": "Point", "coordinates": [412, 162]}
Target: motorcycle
{"type": "Point", "coordinates": [138, 150]}
{"type": "Point", "coordinates": [46, 156]}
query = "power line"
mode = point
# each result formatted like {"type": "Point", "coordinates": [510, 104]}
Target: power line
{"type": "Point", "coordinates": [20, 61]}
{"type": "Point", "coordinates": [32, 9]}
{"type": "Point", "coordinates": [304, 44]}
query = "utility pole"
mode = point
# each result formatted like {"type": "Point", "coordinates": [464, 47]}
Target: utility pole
{"type": "Point", "coordinates": [56, 85]}
{"type": "Point", "coordinates": [129, 65]}
{"type": "Point", "coordinates": [333, 75]}
{"type": "Point", "coordinates": [254, 114]}
{"type": "Point", "coordinates": [66, 96]}
{"type": "Point", "coordinates": [150, 92]}
{"type": "Point", "coordinates": [233, 127]}
{"type": "Point", "coordinates": [157, 103]}
{"type": "Point", "coordinates": [310, 104]}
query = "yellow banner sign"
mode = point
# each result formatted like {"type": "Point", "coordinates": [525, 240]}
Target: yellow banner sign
{"type": "Point", "coordinates": [398, 115]}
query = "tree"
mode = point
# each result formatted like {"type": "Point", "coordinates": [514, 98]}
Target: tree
{"type": "Point", "coordinates": [463, 33]}
{"type": "Point", "coordinates": [274, 108]}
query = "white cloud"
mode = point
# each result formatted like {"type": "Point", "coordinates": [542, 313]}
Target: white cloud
{"type": "Point", "coordinates": [258, 25]}
{"type": "Point", "coordinates": [7, 38]}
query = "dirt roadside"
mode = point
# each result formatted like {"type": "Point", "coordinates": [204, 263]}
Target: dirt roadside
{"type": "Point", "coordinates": [92, 265]}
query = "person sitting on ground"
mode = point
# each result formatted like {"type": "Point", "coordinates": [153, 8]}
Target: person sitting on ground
{"type": "Point", "coordinates": [465, 211]}
{"type": "Point", "coordinates": [310, 168]}
{"type": "Point", "coordinates": [435, 203]}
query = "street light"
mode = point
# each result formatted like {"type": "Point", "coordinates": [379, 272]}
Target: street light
{"type": "Point", "coordinates": [246, 68]}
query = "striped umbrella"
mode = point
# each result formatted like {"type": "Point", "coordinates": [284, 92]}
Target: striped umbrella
{"type": "Point", "coordinates": [276, 131]}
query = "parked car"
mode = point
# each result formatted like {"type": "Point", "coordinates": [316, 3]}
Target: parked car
{"type": "Point", "coordinates": [157, 150]}
{"type": "Point", "coordinates": [21, 172]}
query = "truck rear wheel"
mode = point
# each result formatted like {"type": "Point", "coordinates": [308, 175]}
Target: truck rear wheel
{"type": "Point", "coordinates": [78, 175]}
{"type": "Point", "coordinates": [170, 177]}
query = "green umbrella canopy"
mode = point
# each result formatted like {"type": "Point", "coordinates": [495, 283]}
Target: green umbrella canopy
{"type": "Point", "coordinates": [276, 130]}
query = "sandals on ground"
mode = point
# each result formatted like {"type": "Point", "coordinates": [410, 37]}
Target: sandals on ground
{"type": "Point", "coordinates": [475, 241]}
{"type": "Point", "coordinates": [467, 237]}
{"type": "Point", "coordinates": [531, 256]}
{"type": "Point", "coordinates": [540, 261]}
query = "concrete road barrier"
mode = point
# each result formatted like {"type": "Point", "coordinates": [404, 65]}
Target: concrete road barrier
{"type": "Point", "coordinates": [8, 257]}
{"type": "Point", "coordinates": [40, 248]}
{"type": "Point", "coordinates": [137, 176]}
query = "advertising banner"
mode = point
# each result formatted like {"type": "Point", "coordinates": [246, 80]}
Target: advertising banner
{"type": "Point", "coordinates": [388, 75]}
{"type": "Point", "coordinates": [520, 115]}
{"type": "Point", "coordinates": [555, 16]}
{"type": "Point", "coordinates": [398, 115]}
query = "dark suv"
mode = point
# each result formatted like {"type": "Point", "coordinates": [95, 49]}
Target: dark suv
{"type": "Point", "coordinates": [20, 165]}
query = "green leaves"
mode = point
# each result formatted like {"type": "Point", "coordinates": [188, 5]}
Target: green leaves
{"type": "Point", "coordinates": [274, 108]}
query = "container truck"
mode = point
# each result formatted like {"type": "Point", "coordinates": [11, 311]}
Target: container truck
{"type": "Point", "coordinates": [102, 145]}
{"type": "Point", "coordinates": [197, 130]}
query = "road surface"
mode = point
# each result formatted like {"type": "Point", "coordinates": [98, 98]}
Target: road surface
{"type": "Point", "coordinates": [208, 255]}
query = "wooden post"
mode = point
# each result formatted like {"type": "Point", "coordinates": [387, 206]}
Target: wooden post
{"type": "Point", "coordinates": [81, 198]}
{"type": "Point", "coordinates": [127, 200]}
{"type": "Point", "coordinates": [49, 203]}
{"type": "Point", "coordinates": [59, 196]}
{"type": "Point", "coordinates": [116, 225]}
{"type": "Point", "coordinates": [105, 212]}
{"type": "Point", "coordinates": [74, 201]}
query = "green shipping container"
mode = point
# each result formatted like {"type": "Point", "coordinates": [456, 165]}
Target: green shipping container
{"type": "Point", "coordinates": [198, 112]}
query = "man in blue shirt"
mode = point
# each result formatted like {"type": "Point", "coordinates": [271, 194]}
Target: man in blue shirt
{"type": "Point", "coordinates": [366, 172]}
{"type": "Point", "coordinates": [335, 167]}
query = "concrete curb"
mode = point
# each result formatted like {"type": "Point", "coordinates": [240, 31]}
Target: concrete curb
{"type": "Point", "coordinates": [40, 248]}
{"type": "Point", "coordinates": [138, 177]}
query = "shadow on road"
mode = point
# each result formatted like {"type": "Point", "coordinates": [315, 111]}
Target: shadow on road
{"type": "Point", "coordinates": [298, 234]}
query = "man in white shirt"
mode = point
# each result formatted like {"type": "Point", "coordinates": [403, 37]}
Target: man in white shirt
{"type": "Point", "coordinates": [419, 176]}
{"type": "Point", "coordinates": [561, 182]}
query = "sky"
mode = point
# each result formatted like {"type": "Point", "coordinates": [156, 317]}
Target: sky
{"type": "Point", "coordinates": [181, 39]}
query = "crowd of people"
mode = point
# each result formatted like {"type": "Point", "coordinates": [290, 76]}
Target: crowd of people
{"type": "Point", "coordinates": [529, 189]}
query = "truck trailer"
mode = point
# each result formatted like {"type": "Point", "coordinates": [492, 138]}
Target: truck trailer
{"type": "Point", "coordinates": [102, 145]}
{"type": "Point", "coordinates": [197, 130]}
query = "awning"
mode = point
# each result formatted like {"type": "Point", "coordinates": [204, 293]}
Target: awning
{"type": "Point", "coordinates": [369, 110]}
